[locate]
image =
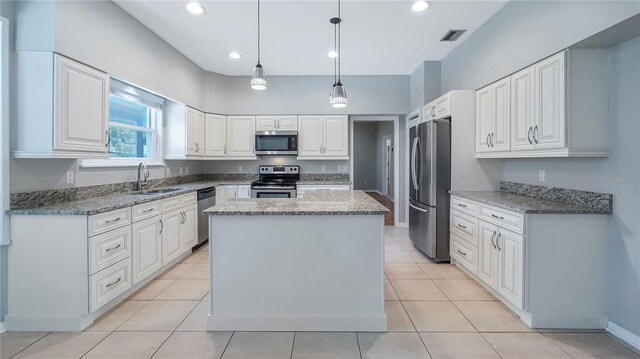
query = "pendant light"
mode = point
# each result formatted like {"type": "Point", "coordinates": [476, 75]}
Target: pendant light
{"type": "Point", "coordinates": [338, 96]}
{"type": "Point", "coordinates": [258, 81]}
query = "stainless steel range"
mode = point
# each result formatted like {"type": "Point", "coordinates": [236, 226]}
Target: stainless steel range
{"type": "Point", "coordinates": [276, 182]}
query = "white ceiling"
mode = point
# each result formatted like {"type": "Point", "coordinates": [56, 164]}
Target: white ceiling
{"type": "Point", "coordinates": [378, 37]}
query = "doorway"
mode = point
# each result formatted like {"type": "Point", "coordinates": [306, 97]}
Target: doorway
{"type": "Point", "coordinates": [387, 164]}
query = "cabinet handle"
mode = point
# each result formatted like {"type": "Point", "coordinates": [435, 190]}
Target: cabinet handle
{"type": "Point", "coordinates": [225, 149]}
{"type": "Point", "coordinates": [529, 135]}
{"type": "Point", "coordinates": [462, 205]}
{"type": "Point", "coordinates": [498, 241]}
{"type": "Point", "coordinates": [148, 210]}
{"type": "Point", "coordinates": [493, 135]}
{"type": "Point", "coordinates": [278, 122]}
{"type": "Point", "coordinates": [114, 282]}
{"type": "Point", "coordinates": [463, 253]}
{"type": "Point", "coordinates": [493, 236]}
{"type": "Point", "coordinates": [433, 112]}
{"type": "Point", "coordinates": [498, 217]}
{"type": "Point", "coordinates": [183, 218]}
{"type": "Point", "coordinates": [113, 248]}
{"type": "Point", "coordinates": [161, 226]}
{"type": "Point", "coordinates": [488, 143]}
{"type": "Point", "coordinates": [109, 221]}
{"type": "Point", "coordinates": [108, 138]}
{"type": "Point", "coordinates": [461, 226]}
{"type": "Point", "coordinates": [535, 132]}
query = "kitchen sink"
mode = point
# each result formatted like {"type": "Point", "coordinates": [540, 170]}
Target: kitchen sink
{"type": "Point", "coordinates": [157, 191]}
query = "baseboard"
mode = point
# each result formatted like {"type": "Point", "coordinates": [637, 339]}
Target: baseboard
{"type": "Point", "coordinates": [624, 335]}
{"type": "Point", "coordinates": [2, 327]}
{"type": "Point", "coordinates": [298, 323]}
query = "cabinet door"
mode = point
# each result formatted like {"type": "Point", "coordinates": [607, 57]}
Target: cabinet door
{"type": "Point", "coordinates": [244, 191]}
{"type": "Point", "coordinates": [287, 123]}
{"type": "Point", "coordinates": [336, 136]}
{"type": "Point", "coordinates": [442, 106]}
{"type": "Point", "coordinates": [147, 248]}
{"type": "Point", "coordinates": [189, 230]}
{"type": "Point", "coordinates": [487, 254]}
{"type": "Point", "coordinates": [216, 135]}
{"type": "Point", "coordinates": [310, 136]}
{"type": "Point", "coordinates": [266, 123]}
{"type": "Point", "coordinates": [428, 111]}
{"type": "Point", "coordinates": [511, 258]}
{"type": "Point", "coordinates": [522, 114]}
{"type": "Point", "coordinates": [231, 192]}
{"type": "Point", "coordinates": [190, 122]}
{"type": "Point", "coordinates": [484, 113]}
{"type": "Point", "coordinates": [500, 137]}
{"type": "Point", "coordinates": [549, 129]}
{"type": "Point", "coordinates": [199, 131]}
{"type": "Point", "coordinates": [171, 228]}
{"type": "Point", "coordinates": [81, 120]}
{"type": "Point", "coordinates": [241, 136]}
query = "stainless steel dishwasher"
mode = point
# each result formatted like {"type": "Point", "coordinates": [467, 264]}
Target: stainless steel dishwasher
{"type": "Point", "coordinates": [206, 199]}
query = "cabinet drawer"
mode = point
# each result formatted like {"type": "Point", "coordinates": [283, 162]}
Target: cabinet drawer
{"type": "Point", "coordinates": [189, 198]}
{"type": "Point", "coordinates": [103, 222]}
{"type": "Point", "coordinates": [505, 219]}
{"type": "Point", "coordinates": [109, 283]}
{"type": "Point", "coordinates": [465, 226]}
{"type": "Point", "coordinates": [146, 210]}
{"type": "Point", "coordinates": [109, 248]}
{"type": "Point", "coordinates": [464, 254]}
{"type": "Point", "coordinates": [171, 203]}
{"type": "Point", "coordinates": [464, 205]}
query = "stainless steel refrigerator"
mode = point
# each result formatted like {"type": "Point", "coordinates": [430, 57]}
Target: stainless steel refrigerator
{"type": "Point", "coordinates": [430, 182]}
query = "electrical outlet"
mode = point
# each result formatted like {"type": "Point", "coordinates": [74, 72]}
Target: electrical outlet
{"type": "Point", "coordinates": [240, 169]}
{"type": "Point", "coordinates": [541, 175]}
{"type": "Point", "coordinates": [186, 170]}
{"type": "Point", "coordinates": [181, 170]}
{"type": "Point", "coordinates": [69, 177]}
{"type": "Point", "coordinates": [167, 170]}
{"type": "Point", "coordinates": [323, 168]}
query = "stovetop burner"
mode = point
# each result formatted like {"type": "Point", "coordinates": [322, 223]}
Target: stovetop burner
{"type": "Point", "coordinates": [277, 176]}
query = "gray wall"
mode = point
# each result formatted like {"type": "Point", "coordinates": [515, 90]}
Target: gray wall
{"type": "Point", "coordinates": [424, 84]}
{"type": "Point", "coordinates": [252, 166]}
{"type": "Point", "coordinates": [524, 32]}
{"type": "Point", "coordinates": [365, 159]}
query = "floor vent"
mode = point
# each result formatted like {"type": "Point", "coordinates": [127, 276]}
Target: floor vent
{"type": "Point", "coordinates": [452, 35]}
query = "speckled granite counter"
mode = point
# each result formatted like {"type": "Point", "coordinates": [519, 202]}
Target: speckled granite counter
{"type": "Point", "coordinates": [313, 203]}
{"type": "Point", "coordinates": [525, 204]}
{"type": "Point", "coordinates": [95, 205]}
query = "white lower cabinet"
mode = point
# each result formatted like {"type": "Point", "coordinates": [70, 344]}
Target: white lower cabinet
{"type": "Point", "coordinates": [109, 283]}
{"type": "Point", "coordinates": [147, 247]}
{"type": "Point", "coordinates": [244, 191]}
{"type": "Point", "coordinates": [189, 230]}
{"type": "Point", "coordinates": [302, 189]}
{"type": "Point", "coordinates": [487, 254]}
{"type": "Point", "coordinates": [229, 191]}
{"type": "Point", "coordinates": [171, 230]}
{"type": "Point", "coordinates": [510, 260]}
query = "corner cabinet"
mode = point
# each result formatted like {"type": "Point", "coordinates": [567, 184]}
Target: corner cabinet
{"type": "Point", "coordinates": [195, 131]}
{"type": "Point", "coordinates": [62, 108]}
{"type": "Point", "coordinates": [536, 264]}
{"type": "Point", "coordinates": [323, 137]}
{"type": "Point", "coordinates": [554, 108]}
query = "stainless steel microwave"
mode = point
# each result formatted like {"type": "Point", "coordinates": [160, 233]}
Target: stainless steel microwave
{"type": "Point", "coordinates": [276, 143]}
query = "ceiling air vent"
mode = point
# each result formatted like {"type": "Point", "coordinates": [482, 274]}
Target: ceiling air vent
{"type": "Point", "coordinates": [452, 35]}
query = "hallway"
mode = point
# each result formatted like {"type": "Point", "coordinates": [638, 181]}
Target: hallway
{"type": "Point", "coordinates": [385, 201]}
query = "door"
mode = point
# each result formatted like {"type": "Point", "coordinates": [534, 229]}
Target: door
{"type": "Point", "coordinates": [549, 129]}
{"type": "Point", "coordinates": [422, 227]}
{"type": "Point", "coordinates": [244, 191]}
{"type": "Point", "coordinates": [171, 228]}
{"type": "Point", "coordinates": [310, 136]}
{"type": "Point", "coordinates": [194, 132]}
{"type": "Point", "coordinates": [189, 230]}
{"type": "Point", "coordinates": [216, 135]}
{"type": "Point", "coordinates": [484, 126]}
{"type": "Point", "coordinates": [388, 165]}
{"type": "Point", "coordinates": [511, 257]}
{"type": "Point", "coordinates": [522, 114]}
{"type": "Point", "coordinates": [500, 137]}
{"type": "Point", "coordinates": [336, 139]}
{"type": "Point", "coordinates": [81, 107]}
{"type": "Point", "coordinates": [287, 123]}
{"type": "Point", "coordinates": [147, 248]}
{"type": "Point", "coordinates": [266, 123]}
{"type": "Point", "coordinates": [231, 192]}
{"type": "Point", "coordinates": [241, 136]}
{"type": "Point", "coordinates": [487, 254]}
{"type": "Point", "coordinates": [442, 106]}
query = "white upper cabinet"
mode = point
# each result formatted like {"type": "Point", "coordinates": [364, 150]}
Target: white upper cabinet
{"type": "Point", "coordinates": [276, 123]}
{"type": "Point", "coordinates": [554, 108]}
{"type": "Point", "coordinates": [61, 106]}
{"type": "Point", "coordinates": [323, 137]}
{"type": "Point", "coordinates": [522, 114]}
{"type": "Point", "coordinates": [438, 108]}
{"type": "Point", "coordinates": [241, 136]}
{"type": "Point", "coordinates": [195, 132]}
{"type": "Point", "coordinates": [215, 135]}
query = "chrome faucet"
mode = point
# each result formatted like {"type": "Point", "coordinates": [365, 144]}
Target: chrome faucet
{"type": "Point", "coordinates": [141, 183]}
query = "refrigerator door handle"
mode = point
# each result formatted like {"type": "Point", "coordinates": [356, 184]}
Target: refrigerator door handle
{"type": "Point", "coordinates": [418, 208]}
{"type": "Point", "coordinates": [413, 163]}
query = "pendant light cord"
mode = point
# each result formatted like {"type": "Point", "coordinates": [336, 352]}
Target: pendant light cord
{"type": "Point", "coordinates": [335, 48]}
{"type": "Point", "coordinates": [339, 34]}
{"type": "Point", "coordinates": [258, 31]}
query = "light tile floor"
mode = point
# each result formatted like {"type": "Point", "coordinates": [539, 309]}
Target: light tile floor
{"type": "Point", "coordinates": [434, 311]}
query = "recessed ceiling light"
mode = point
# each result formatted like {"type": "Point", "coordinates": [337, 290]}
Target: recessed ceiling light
{"type": "Point", "coordinates": [195, 8]}
{"type": "Point", "coordinates": [420, 5]}
{"type": "Point", "coordinates": [333, 53]}
{"type": "Point", "coordinates": [235, 55]}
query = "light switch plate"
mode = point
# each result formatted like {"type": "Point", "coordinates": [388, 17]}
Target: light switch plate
{"type": "Point", "coordinates": [541, 175]}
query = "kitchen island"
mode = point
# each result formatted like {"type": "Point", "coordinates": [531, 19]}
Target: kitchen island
{"type": "Point", "coordinates": [309, 264]}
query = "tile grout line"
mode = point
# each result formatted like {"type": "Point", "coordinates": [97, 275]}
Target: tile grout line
{"type": "Point", "coordinates": [293, 343]}
{"type": "Point", "coordinates": [228, 343]}
{"type": "Point", "coordinates": [491, 345]}
{"type": "Point", "coordinates": [358, 343]}
{"type": "Point", "coordinates": [25, 348]}
{"type": "Point", "coordinates": [554, 343]}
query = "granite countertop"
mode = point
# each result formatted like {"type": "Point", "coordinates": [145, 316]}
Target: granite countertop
{"type": "Point", "coordinates": [313, 203]}
{"type": "Point", "coordinates": [95, 205]}
{"type": "Point", "coordinates": [524, 204]}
